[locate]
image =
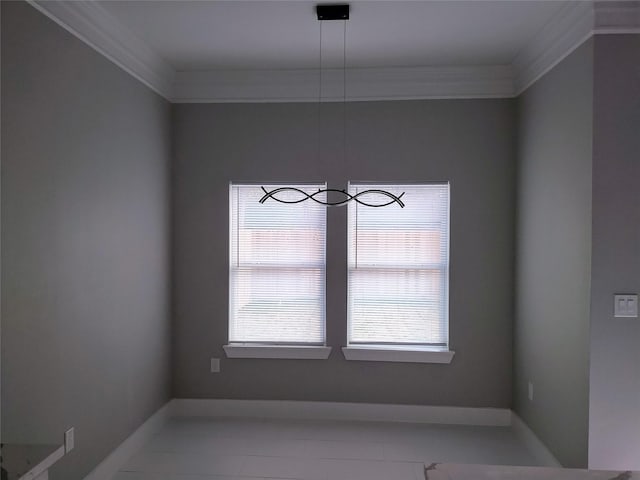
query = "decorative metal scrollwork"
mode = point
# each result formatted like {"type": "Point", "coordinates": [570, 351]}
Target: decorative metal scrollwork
{"type": "Point", "coordinates": [347, 197]}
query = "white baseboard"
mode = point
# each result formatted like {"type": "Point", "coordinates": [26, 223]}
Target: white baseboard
{"type": "Point", "coordinates": [117, 458]}
{"type": "Point", "coordinates": [341, 411]}
{"type": "Point", "coordinates": [538, 449]}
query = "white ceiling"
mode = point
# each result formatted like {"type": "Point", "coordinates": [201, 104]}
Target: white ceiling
{"type": "Point", "coordinates": [223, 35]}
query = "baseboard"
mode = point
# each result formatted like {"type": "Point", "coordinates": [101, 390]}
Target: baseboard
{"type": "Point", "coordinates": [341, 411]}
{"type": "Point", "coordinates": [134, 442]}
{"type": "Point", "coordinates": [538, 449]}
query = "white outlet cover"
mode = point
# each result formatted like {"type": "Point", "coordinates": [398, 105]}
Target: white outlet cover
{"type": "Point", "coordinates": [69, 440]}
{"type": "Point", "coordinates": [215, 365]}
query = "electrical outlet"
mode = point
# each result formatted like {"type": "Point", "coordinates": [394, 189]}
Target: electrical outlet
{"type": "Point", "coordinates": [69, 440]}
{"type": "Point", "coordinates": [531, 391]}
{"type": "Point", "coordinates": [215, 365]}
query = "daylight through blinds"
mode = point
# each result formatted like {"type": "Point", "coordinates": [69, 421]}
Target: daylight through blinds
{"type": "Point", "coordinates": [398, 268]}
{"type": "Point", "coordinates": [277, 268]}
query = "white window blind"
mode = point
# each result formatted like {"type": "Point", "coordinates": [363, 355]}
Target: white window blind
{"type": "Point", "coordinates": [277, 268]}
{"type": "Point", "coordinates": [398, 267]}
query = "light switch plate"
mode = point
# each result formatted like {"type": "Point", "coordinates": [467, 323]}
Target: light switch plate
{"type": "Point", "coordinates": [625, 305]}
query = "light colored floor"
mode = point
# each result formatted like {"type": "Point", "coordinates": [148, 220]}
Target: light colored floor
{"type": "Point", "coordinates": [241, 449]}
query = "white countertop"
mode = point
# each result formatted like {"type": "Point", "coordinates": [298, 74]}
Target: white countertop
{"type": "Point", "coordinates": [26, 462]}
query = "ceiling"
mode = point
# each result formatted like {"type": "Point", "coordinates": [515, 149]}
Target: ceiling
{"type": "Point", "coordinates": [213, 35]}
{"type": "Point", "coordinates": [271, 51]}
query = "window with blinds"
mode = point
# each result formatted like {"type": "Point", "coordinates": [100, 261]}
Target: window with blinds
{"type": "Point", "coordinates": [398, 268]}
{"type": "Point", "coordinates": [277, 268]}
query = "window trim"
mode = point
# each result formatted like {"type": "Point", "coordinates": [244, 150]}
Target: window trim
{"type": "Point", "coordinates": [311, 350]}
{"type": "Point", "coordinates": [406, 353]}
{"type": "Point", "coordinates": [390, 353]}
{"type": "Point", "coordinates": [403, 353]}
{"type": "Point", "coordinates": [298, 352]}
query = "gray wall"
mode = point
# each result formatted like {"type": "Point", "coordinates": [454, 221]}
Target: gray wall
{"type": "Point", "coordinates": [85, 218]}
{"type": "Point", "coordinates": [469, 142]}
{"type": "Point", "coordinates": [553, 251]}
{"type": "Point", "coordinates": [614, 436]}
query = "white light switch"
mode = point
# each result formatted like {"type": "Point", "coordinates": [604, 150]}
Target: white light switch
{"type": "Point", "coordinates": [625, 305]}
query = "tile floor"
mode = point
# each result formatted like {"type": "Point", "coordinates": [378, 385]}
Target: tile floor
{"type": "Point", "coordinates": [250, 449]}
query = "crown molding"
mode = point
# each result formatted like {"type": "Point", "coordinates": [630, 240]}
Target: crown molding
{"type": "Point", "coordinates": [92, 24]}
{"type": "Point", "coordinates": [575, 22]}
{"type": "Point", "coordinates": [101, 31]}
{"type": "Point", "coordinates": [568, 29]}
{"type": "Point", "coordinates": [362, 84]}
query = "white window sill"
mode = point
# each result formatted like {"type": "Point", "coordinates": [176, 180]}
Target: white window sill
{"type": "Point", "coordinates": [277, 351]}
{"type": "Point", "coordinates": [397, 354]}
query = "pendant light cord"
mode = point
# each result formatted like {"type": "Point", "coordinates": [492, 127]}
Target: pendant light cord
{"type": "Point", "coordinates": [344, 95]}
{"type": "Point", "coordinates": [346, 197]}
{"type": "Point", "coordinates": [319, 95]}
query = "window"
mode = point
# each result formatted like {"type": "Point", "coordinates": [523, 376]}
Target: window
{"type": "Point", "coordinates": [276, 273]}
{"type": "Point", "coordinates": [398, 275]}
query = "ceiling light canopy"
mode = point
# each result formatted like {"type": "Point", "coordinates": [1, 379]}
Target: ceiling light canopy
{"type": "Point", "coordinates": [333, 12]}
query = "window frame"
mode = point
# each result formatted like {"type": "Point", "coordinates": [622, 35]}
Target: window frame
{"type": "Point", "coordinates": [399, 352]}
{"type": "Point", "coordinates": [284, 349]}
